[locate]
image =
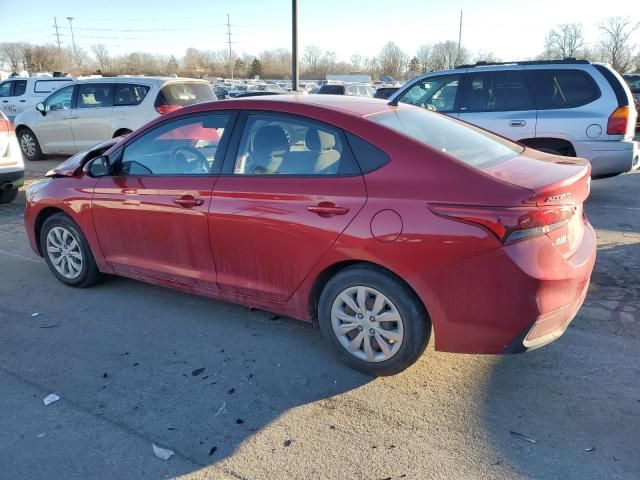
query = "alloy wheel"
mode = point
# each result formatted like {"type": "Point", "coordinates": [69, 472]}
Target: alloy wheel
{"type": "Point", "coordinates": [64, 252]}
{"type": "Point", "coordinates": [367, 323]}
{"type": "Point", "coordinates": [28, 144]}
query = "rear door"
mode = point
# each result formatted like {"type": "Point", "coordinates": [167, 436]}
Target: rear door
{"type": "Point", "coordinates": [288, 193]}
{"type": "Point", "coordinates": [91, 114]}
{"type": "Point", "coordinates": [440, 93]}
{"type": "Point", "coordinates": [499, 101]}
{"type": "Point", "coordinates": [126, 112]}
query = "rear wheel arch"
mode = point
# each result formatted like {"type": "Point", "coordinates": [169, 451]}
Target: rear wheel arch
{"type": "Point", "coordinates": [332, 270]}
{"type": "Point", "coordinates": [551, 145]}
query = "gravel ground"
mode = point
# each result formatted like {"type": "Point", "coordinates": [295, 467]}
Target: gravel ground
{"type": "Point", "coordinates": [273, 403]}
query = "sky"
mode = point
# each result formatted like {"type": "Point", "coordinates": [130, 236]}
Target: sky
{"type": "Point", "coordinates": [509, 29]}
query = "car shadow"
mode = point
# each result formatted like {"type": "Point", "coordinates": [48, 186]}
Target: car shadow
{"type": "Point", "coordinates": [578, 397]}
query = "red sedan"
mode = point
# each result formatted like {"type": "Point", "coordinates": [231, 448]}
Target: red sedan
{"type": "Point", "coordinates": [376, 221]}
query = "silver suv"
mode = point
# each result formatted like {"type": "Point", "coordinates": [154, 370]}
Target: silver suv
{"type": "Point", "coordinates": [568, 107]}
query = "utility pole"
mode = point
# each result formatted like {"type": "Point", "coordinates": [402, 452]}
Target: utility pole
{"type": "Point", "coordinates": [55, 24]}
{"type": "Point", "coordinates": [294, 46]}
{"type": "Point", "coordinates": [73, 42]}
{"type": "Point", "coordinates": [229, 42]}
{"type": "Point", "coordinates": [459, 40]}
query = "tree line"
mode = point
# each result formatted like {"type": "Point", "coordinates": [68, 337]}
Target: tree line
{"type": "Point", "coordinates": [567, 40]}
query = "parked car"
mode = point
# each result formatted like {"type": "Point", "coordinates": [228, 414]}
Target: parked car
{"type": "Point", "coordinates": [18, 94]}
{"type": "Point", "coordinates": [353, 89]}
{"type": "Point", "coordinates": [385, 92]}
{"type": "Point", "coordinates": [375, 221]}
{"type": "Point", "coordinates": [90, 111]}
{"type": "Point", "coordinates": [220, 92]}
{"type": "Point", "coordinates": [11, 164]}
{"type": "Point", "coordinates": [569, 107]}
{"type": "Point", "coordinates": [634, 84]}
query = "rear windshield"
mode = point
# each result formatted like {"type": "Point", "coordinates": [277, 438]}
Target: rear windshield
{"type": "Point", "coordinates": [184, 94]}
{"type": "Point", "coordinates": [464, 142]}
{"type": "Point", "coordinates": [332, 89]}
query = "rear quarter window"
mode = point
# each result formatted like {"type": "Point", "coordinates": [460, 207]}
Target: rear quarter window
{"type": "Point", "coordinates": [368, 156]}
{"type": "Point", "coordinates": [184, 94]}
{"type": "Point", "coordinates": [130, 94]}
{"type": "Point", "coordinates": [48, 86]}
{"type": "Point", "coordinates": [557, 89]}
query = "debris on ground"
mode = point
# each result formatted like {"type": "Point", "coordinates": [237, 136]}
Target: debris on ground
{"type": "Point", "coordinates": [239, 421]}
{"type": "Point", "coordinates": [523, 437]}
{"type": "Point", "coordinates": [197, 371]}
{"type": "Point", "coordinates": [221, 409]}
{"type": "Point", "coordinates": [162, 453]}
{"type": "Point", "coordinates": [49, 399]}
{"type": "Point", "coordinates": [105, 375]}
{"type": "Point", "coordinates": [590, 449]}
{"type": "Point", "coordinates": [35, 314]}
{"type": "Point", "coordinates": [231, 391]}
{"type": "Point", "coordinates": [213, 450]}
{"type": "Point", "coordinates": [287, 442]}
{"type": "Point", "coordinates": [55, 325]}
{"type": "Point", "coordinates": [42, 435]}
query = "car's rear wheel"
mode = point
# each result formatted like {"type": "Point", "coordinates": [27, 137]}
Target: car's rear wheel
{"type": "Point", "coordinates": [67, 252]}
{"type": "Point", "coordinates": [29, 145]}
{"type": "Point", "coordinates": [8, 195]}
{"type": "Point", "coordinates": [374, 321]}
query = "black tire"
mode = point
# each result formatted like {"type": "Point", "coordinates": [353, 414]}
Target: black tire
{"type": "Point", "coordinates": [8, 195]}
{"type": "Point", "coordinates": [36, 153]}
{"type": "Point", "coordinates": [89, 273]}
{"type": "Point", "coordinates": [415, 320]}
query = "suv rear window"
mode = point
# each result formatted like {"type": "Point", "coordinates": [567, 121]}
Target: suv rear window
{"type": "Point", "coordinates": [184, 94]}
{"type": "Point", "coordinates": [554, 89]}
{"type": "Point", "coordinates": [332, 89]}
{"type": "Point", "coordinates": [464, 142]}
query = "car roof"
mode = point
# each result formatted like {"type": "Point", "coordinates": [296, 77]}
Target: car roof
{"type": "Point", "coordinates": [353, 105]}
{"type": "Point", "coordinates": [140, 79]}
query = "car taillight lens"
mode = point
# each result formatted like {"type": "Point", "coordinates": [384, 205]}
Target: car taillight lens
{"type": "Point", "coordinates": [162, 109]}
{"type": "Point", "coordinates": [5, 126]}
{"type": "Point", "coordinates": [618, 121]}
{"type": "Point", "coordinates": [509, 224]}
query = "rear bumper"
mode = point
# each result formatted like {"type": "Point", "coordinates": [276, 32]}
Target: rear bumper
{"type": "Point", "coordinates": [610, 157]}
{"type": "Point", "coordinates": [512, 299]}
{"type": "Point", "coordinates": [11, 179]}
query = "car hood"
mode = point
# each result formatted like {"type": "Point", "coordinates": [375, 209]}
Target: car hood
{"type": "Point", "coordinates": [71, 165]}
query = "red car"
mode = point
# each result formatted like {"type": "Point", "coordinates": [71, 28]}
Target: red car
{"type": "Point", "coordinates": [376, 221]}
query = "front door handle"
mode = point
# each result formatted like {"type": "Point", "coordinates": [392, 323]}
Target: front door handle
{"type": "Point", "coordinates": [74, 117]}
{"type": "Point", "coordinates": [327, 209]}
{"type": "Point", "coordinates": [22, 101]}
{"type": "Point", "coordinates": [188, 201]}
{"type": "Point", "coordinates": [517, 123]}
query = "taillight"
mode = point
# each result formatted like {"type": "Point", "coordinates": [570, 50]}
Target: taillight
{"type": "Point", "coordinates": [5, 126]}
{"type": "Point", "coordinates": [509, 224]}
{"type": "Point", "coordinates": [618, 121]}
{"type": "Point", "coordinates": [162, 109]}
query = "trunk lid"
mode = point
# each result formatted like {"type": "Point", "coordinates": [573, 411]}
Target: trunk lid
{"type": "Point", "coordinates": [555, 183]}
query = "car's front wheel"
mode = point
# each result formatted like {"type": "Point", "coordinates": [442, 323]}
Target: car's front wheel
{"type": "Point", "coordinates": [29, 145]}
{"type": "Point", "coordinates": [374, 321]}
{"type": "Point", "coordinates": [67, 252]}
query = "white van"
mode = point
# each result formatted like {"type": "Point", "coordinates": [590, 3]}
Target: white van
{"type": "Point", "coordinates": [17, 94]}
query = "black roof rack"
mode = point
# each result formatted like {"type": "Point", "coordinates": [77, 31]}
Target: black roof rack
{"type": "Point", "coordinates": [528, 62]}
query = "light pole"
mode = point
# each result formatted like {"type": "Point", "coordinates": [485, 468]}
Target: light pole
{"type": "Point", "coordinates": [73, 42]}
{"type": "Point", "coordinates": [294, 45]}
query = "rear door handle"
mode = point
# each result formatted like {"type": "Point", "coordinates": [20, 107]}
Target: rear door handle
{"type": "Point", "coordinates": [74, 117]}
{"type": "Point", "coordinates": [517, 123]}
{"type": "Point", "coordinates": [188, 201]}
{"type": "Point", "coordinates": [22, 101]}
{"type": "Point", "coordinates": [327, 209]}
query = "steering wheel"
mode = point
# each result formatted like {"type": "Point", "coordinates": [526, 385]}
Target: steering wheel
{"type": "Point", "coordinates": [181, 163]}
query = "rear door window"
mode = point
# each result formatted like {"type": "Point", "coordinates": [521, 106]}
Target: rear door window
{"type": "Point", "coordinates": [129, 94]}
{"type": "Point", "coordinates": [95, 95]}
{"type": "Point", "coordinates": [502, 90]}
{"type": "Point", "coordinates": [19, 87]}
{"type": "Point", "coordinates": [5, 89]}
{"type": "Point", "coordinates": [434, 93]}
{"type": "Point", "coordinates": [555, 89]}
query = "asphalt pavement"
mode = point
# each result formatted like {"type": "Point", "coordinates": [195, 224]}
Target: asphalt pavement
{"type": "Point", "coordinates": [239, 394]}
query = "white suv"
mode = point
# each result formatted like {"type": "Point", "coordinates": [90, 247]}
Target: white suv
{"type": "Point", "coordinates": [568, 107]}
{"type": "Point", "coordinates": [18, 93]}
{"type": "Point", "coordinates": [88, 112]}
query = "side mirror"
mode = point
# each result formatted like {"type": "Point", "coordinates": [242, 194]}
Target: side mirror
{"type": "Point", "coordinates": [98, 167]}
{"type": "Point", "coordinates": [41, 108]}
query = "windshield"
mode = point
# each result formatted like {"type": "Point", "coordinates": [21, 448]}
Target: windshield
{"type": "Point", "coordinates": [464, 142]}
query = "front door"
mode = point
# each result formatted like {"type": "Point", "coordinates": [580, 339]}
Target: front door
{"type": "Point", "coordinates": [287, 195]}
{"type": "Point", "coordinates": [499, 101]}
{"type": "Point", "coordinates": [151, 215]}
{"type": "Point", "coordinates": [91, 114]}
{"type": "Point", "coordinates": [54, 128]}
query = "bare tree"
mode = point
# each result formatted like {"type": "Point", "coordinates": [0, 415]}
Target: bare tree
{"type": "Point", "coordinates": [311, 60]}
{"type": "Point", "coordinates": [482, 56]}
{"type": "Point", "coordinates": [102, 56]}
{"type": "Point", "coordinates": [614, 43]}
{"type": "Point", "coordinates": [564, 41]}
{"type": "Point", "coordinates": [424, 56]}
{"type": "Point", "coordinates": [392, 60]}
{"type": "Point", "coordinates": [445, 56]}
{"type": "Point", "coordinates": [356, 62]}
{"type": "Point", "coordinates": [12, 53]}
